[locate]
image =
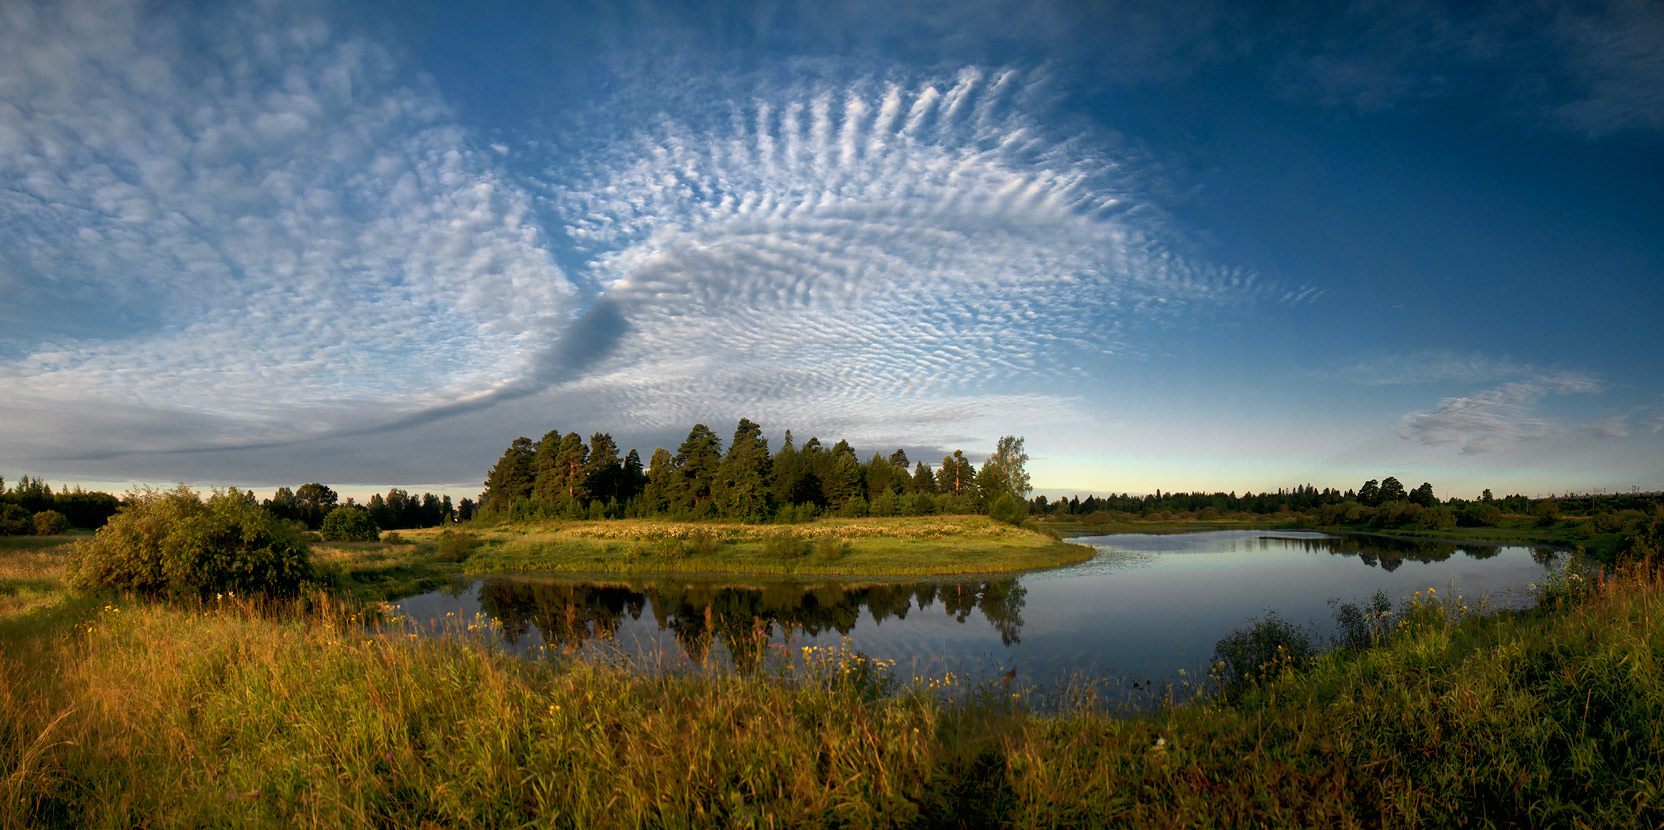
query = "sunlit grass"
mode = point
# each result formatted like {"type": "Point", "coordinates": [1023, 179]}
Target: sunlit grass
{"type": "Point", "coordinates": [899, 546]}
{"type": "Point", "coordinates": [120, 713]}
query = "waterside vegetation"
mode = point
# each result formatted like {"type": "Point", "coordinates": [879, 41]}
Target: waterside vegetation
{"type": "Point", "coordinates": [235, 711]}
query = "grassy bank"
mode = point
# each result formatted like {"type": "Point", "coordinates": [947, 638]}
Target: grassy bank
{"type": "Point", "coordinates": [118, 713]}
{"type": "Point", "coordinates": [922, 546]}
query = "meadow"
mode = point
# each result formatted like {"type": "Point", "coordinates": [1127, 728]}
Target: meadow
{"type": "Point", "coordinates": [325, 711]}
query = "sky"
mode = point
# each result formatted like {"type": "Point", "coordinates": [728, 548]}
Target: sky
{"type": "Point", "coordinates": [1179, 246]}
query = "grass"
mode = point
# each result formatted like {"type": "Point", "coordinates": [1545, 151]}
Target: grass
{"type": "Point", "coordinates": [924, 546]}
{"type": "Point", "coordinates": [119, 713]}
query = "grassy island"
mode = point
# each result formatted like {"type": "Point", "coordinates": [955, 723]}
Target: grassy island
{"type": "Point", "coordinates": [910, 546]}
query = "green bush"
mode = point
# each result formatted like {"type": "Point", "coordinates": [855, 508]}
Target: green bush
{"type": "Point", "coordinates": [783, 545]}
{"type": "Point", "coordinates": [172, 544]}
{"type": "Point", "coordinates": [1261, 649]}
{"type": "Point", "coordinates": [455, 545]}
{"type": "Point", "coordinates": [50, 523]}
{"type": "Point", "coordinates": [15, 521]}
{"type": "Point", "coordinates": [1009, 509]}
{"type": "Point", "coordinates": [830, 548]}
{"type": "Point", "coordinates": [701, 543]}
{"type": "Point", "coordinates": [349, 523]}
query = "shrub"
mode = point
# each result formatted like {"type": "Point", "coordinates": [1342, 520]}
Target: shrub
{"type": "Point", "coordinates": [1436, 518]}
{"type": "Point", "coordinates": [1359, 627]}
{"type": "Point", "coordinates": [701, 543]}
{"type": "Point", "coordinates": [172, 544]}
{"type": "Point", "coordinates": [455, 545]}
{"type": "Point", "coordinates": [50, 523]}
{"type": "Point", "coordinates": [15, 521]}
{"type": "Point", "coordinates": [392, 537]}
{"type": "Point", "coordinates": [349, 523]}
{"type": "Point", "coordinates": [830, 548]}
{"type": "Point", "coordinates": [1479, 514]}
{"type": "Point", "coordinates": [1261, 649]}
{"type": "Point", "coordinates": [783, 545]}
{"type": "Point", "coordinates": [1009, 509]}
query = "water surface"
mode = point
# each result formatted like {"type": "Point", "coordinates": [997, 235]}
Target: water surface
{"type": "Point", "coordinates": [1146, 606]}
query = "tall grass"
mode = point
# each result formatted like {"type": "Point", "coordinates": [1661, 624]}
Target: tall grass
{"type": "Point", "coordinates": [119, 713]}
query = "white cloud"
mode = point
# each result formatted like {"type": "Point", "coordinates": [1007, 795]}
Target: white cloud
{"type": "Point", "coordinates": [296, 227]}
{"type": "Point", "coordinates": [1505, 416]}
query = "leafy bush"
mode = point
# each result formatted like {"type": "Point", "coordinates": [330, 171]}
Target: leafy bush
{"type": "Point", "coordinates": [455, 545]}
{"type": "Point", "coordinates": [349, 523]}
{"type": "Point", "coordinates": [172, 544]}
{"type": "Point", "coordinates": [50, 523]}
{"type": "Point", "coordinates": [1009, 509]}
{"type": "Point", "coordinates": [831, 548]}
{"type": "Point", "coordinates": [393, 537]}
{"type": "Point", "coordinates": [1479, 514]}
{"type": "Point", "coordinates": [15, 521]}
{"type": "Point", "coordinates": [1436, 518]}
{"type": "Point", "coordinates": [1359, 627]}
{"type": "Point", "coordinates": [783, 545]}
{"type": "Point", "coordinates": [701, 543]}
{"type": "Point", "coordinates": [1261, 649]}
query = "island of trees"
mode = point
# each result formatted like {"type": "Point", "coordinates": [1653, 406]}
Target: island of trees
{"type": "Point", "coordinates": [563, 476]}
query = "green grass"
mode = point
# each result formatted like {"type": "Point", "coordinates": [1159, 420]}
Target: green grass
{"type": "Point", "coordinates": [933, 546]}
{"type": "Point", "coordinates": [117, 713]}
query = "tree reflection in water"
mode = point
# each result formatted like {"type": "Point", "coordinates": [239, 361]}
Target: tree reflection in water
{"type": "Point", "coordinates": [742, 617]}
{"type": "Point", "coordinates": [1388, 553]}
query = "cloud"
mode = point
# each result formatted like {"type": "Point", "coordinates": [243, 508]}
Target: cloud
{"type": "Point", "coordinates": [1503, 417]}
{"type": "Point", "coordinates": [252, 219]}
{"type": "Point", "coordinates": [1431, 366]}
{"type": "Point", "coordinates": [275, 236]}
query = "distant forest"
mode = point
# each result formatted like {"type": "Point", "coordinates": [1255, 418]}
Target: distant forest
{"type": "Point", "coordinates": [564, 476]}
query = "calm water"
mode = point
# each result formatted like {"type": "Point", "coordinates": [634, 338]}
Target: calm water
{"type": "Point", "coordinates": [1146, 606]}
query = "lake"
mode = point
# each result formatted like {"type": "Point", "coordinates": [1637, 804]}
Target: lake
{"type": "Point", "coordinates": [1146, 607]}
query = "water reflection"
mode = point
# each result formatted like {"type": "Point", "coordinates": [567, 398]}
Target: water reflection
{"type": "Point", "coordinates": [1390, 552]}
{"type": "Point", "coordinates": [1146, 606]}
{"type": "Point", "coordinates": [743, 619]}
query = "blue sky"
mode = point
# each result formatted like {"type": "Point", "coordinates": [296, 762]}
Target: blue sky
{"type": "Point", "coordinates": [1177, 246]}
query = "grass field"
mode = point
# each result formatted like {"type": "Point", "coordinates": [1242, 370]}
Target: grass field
{"type": "Point", "coordinates": [940, 545]}
{"type": "Point", "coordinates": [118, 713]}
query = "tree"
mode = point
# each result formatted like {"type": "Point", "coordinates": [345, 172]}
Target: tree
{"type": "Point", "coordinates": [349, 524]}
{"type": "Point", "coordinates": [1423, 496]}
{"type": "Point", "coordinates": [603, 470]}
{"type": "Point", "coordinates": [1010, 467]}
{"type": "Point", "coordinates": [1391, 490]}
{"type": "Point", "coordinates": [546, 486]}
{"type": "Point", "coordinates": [1370, 493]}
{"type": "Point", "coordinates": [696, 466]}
{"type": "Point", "coordinates": [898, 459]}
{"type": "Point", "coordinates": [315, 501]}
{"type": "Point", "coordinates": [924, 481]}
{"type": "Point", "coordinates": [957, 476]}
{"type": "Point", "coordinates": [741, 488]}
{"type": "Point", "coordinates": [512, 479]}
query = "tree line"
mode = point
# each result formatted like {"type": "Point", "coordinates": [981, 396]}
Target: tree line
{"type": "Point", "coordinates": [31, 507]}
{"type": "Point", "coordinates": [563, 476]}
{"type": "Point", "coordinates": [311, 505]}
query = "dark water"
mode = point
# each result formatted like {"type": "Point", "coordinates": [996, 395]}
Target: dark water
{"type": "Point", "coordinates": [1146, 606]}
